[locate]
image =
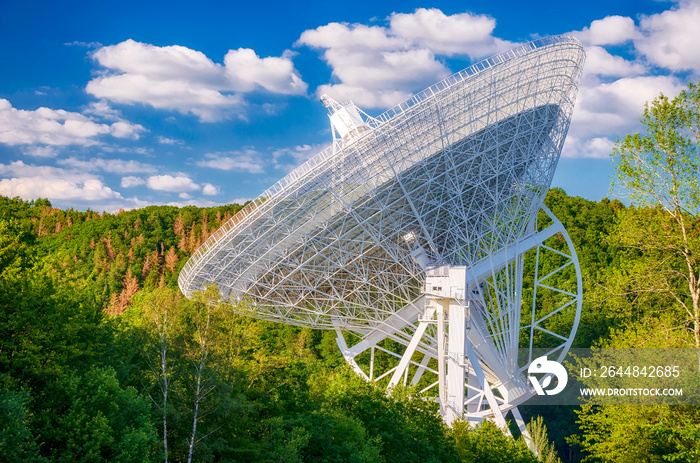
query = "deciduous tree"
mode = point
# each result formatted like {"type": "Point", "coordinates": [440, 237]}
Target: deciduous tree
{"type": "Point", "coordinates": [658, 172]}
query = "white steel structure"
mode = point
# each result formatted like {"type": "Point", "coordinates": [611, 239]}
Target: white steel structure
{"type": "Point", "coordinates": [416, 235]}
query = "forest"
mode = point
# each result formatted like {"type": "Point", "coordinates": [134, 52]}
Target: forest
{"type": "Point", "coordinates": [103, 359]}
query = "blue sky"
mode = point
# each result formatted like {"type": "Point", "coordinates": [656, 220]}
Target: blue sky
{"type": "Point", "coordinates": [109, 105]}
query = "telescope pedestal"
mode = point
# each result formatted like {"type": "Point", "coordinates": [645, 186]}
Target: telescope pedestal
{"type": "Point", "coordinates": [465, 330]}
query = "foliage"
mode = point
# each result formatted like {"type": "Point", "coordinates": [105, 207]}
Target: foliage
{"type": "Point", "coordinates": [659, 172]}
{"type": "Point", "coordinates": [92, 323]}
{"type": "Point", "coordinates": [653, 293]}
{"type": "Point", "coordinates": [486, 443]}
{"type": "Point", "coordinates": [102, 422]}
{"type": "Point", "coordinates": [17, 441]}
{"type": "Point", "coordinates": [540, 439]}
{"type": "Point", "coordinates": [619, 433]}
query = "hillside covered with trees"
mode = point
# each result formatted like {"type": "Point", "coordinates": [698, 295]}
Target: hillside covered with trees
{"type": "Point", "coordinates": [98, 347]}
{"type": "Point", "coordinates": [102, 358]}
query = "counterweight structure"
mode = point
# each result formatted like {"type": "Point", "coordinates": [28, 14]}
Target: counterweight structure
{"type": "Point", "coordinates": [421, 238]}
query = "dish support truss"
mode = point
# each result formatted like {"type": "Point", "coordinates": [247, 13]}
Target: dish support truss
{"type": "Point", "coordinates": [459, 341]}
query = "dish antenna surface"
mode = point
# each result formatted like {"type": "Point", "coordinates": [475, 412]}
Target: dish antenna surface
{"type": "Point", "coordinates": [420, 236]}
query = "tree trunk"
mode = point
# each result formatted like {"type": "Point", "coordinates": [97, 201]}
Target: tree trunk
{"type": "Point", "coordinates": [204, 351]}
{"type": "Point", "coordinates": [696, 316]}
{"type": "Point", "coordinates": [166, 385]}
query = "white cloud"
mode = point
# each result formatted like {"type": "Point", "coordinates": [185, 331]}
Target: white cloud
{"type": "Point", "coordinates": [56, 188]}
{"type": "Point", "coordinates": [670, 39]}
{"type": "Point", "coordinates": [178, 184]}
{"type": "Point", "coordinates": [77, 43]}
{"type": "Point", "coordinates": [611, 30]}
{"type": "Point", "coordinates": [247, 160]}
{"type": "Point", "coordinates": [458, 34]}
{"type": "Point", "coordinates": [363, 96]}
{"type": "Point", "coordinates": [194, 202]}
{"type": "Point", "coordinates": [356, 36]}
{"type": "Point", "coordinates": [124, 129]}
{"type": "Point", "coordinates": [246, 71]}
{"type": "Point", "coordinates": [209, 190]}
{"type": "Point", "coordinates": [613, 90]}
{"type": "Point", "coordinates": [118, 166]}
{"type": "Point", "coordinates": [600, 62]}
{"type": "Point", "coordinates": [56, 127]}
{"type": "Point", "coordinates": [131, 181]}
{"type": "Point", "coordinates": [614, 109]}
{"type": "Point", "coordinates": [185, 80]}
{"type": "Point", "coordinates": [377, 66]}
{"type": "Point", "coordinates": [289, 158]}
{"type": "Point", "coordinates": [240, 200]}
{"type": "Point", "coordinates": [202, 101]}
{"type": "Point", "coordinates": [40, 151]}
{"type": "Point", "coordinates": [374, 67]}
{"type": "Point", "coordinates": [31, 182]}
{"type": "Point", "coordinates": [169, 141]}
{"type": "Point", "coordinates": [593, 148]}
{"type": "Point", "coordinates": [102, 110]}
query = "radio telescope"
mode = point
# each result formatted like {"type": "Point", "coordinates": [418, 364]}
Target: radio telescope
{"type": "Point", "coordinates": [420, 235]}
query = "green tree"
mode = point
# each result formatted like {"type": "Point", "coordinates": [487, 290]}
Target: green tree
{"type": "Point", "coordinates": [102, 422]}
{"type": "Point", "coordinates": [658, 171]}
{"type": "Point", "coordinates": [321, 436]}
{"type": "Point", "coordinates": [634, 434]}
{"type": "Point", "coordinates": [540, 439]}
{"type": "Point", "coordinates": [486, 443]}
{"type": "Point", "coordinates": [17, 440]}
{"type": "Point", "coordinates": [654, 293]}
{"type": "Point", "coordinates": [160, 313]}
{"type": "Point", "coordinates": [205, 319]}
{"type": "Point", "coordinates": [409, 428]}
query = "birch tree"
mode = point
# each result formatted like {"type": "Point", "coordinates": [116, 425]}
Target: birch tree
{"type": "Point", "coordinates": [205, 316]}
{"type": "Point", "coordinates": [160, 310]}
{"type": "Point", "coordinates": [658, 172]}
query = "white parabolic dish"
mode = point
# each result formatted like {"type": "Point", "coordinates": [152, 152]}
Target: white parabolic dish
{"type": "Point", "coordinates": [416, 233]}
{"type": "Point", "coordinates": [460, 169]}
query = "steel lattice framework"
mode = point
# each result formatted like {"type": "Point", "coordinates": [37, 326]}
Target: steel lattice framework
{"type": "Point", "coordinates": [415, 234]}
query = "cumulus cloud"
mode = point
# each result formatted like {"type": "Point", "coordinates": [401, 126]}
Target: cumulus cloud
{"type": "Point", "coordinates": [31, 182]}
{"type": "Point", "coordinates": [248, 160]}
{"type": "Point", "coordinates": [375, 68]}
{"type": "Point", "coordinates": [614, 109]}
{"type": "Point", "coordinates": [614, 89]}
{"type": "Point", "coordinates": [56, 127]}
{"type": "Point", "coordinates": [209, 190]}
{"type": "Point", "coordinates": [670, 39]}
{"type": "Point", "coordinates": [458, 34]}
{"type": "Point", "coordinates": [180, 183]}
{"type": "Point", "coordinates": [600, 62]}
{"type": "Point", "coordinates": [185, 80]}
{"type": "Point", "coordinates": [611, 30]}
{"type": "Point", "coordinates": [131, 181]}
{"type": "Point", "coordinates": [103, 110]}
{"type": "Point", "coordinates": [667, 40]}
{"type": "Point", "coordinates": [245, 71]}
{"type": "Point", "coordinates": [379, 66]}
